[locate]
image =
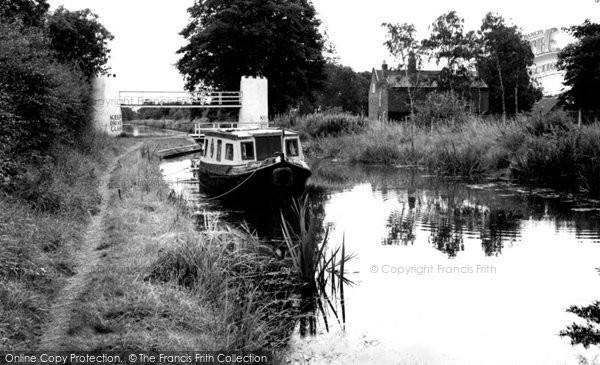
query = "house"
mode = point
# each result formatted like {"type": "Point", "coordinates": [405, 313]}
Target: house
{"type": "Point", "coordinates": [389, 97]}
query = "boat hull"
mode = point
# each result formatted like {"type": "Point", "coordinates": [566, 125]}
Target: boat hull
{"type": "Point", "coordinates": [272, 176]}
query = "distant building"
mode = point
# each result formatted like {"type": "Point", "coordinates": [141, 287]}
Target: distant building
{"type": "Point", "coordinates": [545, 45]}
{"type": "Point", "coordinates": [389, 98]}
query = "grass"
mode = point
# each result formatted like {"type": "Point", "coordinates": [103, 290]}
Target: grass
{"type": "Point", "coordinates": [43, 213]}
{"type": "Point", "coordinates": [165, 285]}
{"type": "Point", "coordinates": [550, 151]}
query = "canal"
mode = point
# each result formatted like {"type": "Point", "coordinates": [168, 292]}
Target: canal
{"type": "Point", "coordinates": [446, 271]}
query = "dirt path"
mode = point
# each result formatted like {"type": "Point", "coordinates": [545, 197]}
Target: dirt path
{"type": "Point", "coordinates": [86, 259]}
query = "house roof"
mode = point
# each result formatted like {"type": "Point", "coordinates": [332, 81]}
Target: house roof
{"type": "Point", "coordinates": [545, 105]}
{"type": "Point", "coordinates": [427, 79]}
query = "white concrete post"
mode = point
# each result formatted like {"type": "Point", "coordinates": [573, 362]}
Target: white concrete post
{"type": "Point", "coordinates": [107, 110]}
{"type": "Point", "coordinates": [255, 102]}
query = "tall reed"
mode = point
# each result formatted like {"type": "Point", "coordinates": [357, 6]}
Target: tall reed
{"type": "Point", "coordinates": [317, 265]}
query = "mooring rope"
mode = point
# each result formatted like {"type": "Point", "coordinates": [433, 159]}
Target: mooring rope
{"type": "Point", "coordinates": [230, 191]}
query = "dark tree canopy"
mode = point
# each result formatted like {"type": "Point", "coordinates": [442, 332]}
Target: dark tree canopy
{"type": "Point", "coordinates": [344, 89]}
{"type": "Point", "coordinates": [278, 39]}
{"type": "Point", "coordinates": [29, 12]}
{"type": "Point", "coordinates": [581, 61]}
{"type": "Point", "coordinates": [503, 65]}
{"type": "Point", "coordinates": [78, 38]}
{"type": "Point", "coordinates": [44, 93]}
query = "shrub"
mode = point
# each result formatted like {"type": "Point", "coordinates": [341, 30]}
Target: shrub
{"type": "Point", "coordinates": [555, 121]}
{"type": "Point", "coordinates": [446, 107]}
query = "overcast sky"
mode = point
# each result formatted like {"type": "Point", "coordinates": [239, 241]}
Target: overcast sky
{"type": "Point", "coordinates": [146, 31]}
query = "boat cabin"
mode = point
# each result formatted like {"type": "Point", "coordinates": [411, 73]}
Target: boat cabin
{"type": "Point", "coordinates": [239, 146]}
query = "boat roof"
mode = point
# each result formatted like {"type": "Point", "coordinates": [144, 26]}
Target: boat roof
{"type": "Point", "coordinates": [239, 133]}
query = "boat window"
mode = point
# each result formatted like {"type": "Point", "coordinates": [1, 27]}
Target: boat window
{"type": "Point", "coordinates": [229, 151]}
{"type": "Point", "coordinates": [205, 152]}
{"type": "Point", "coordinates": [219, 148]}
{"type": "Point", "coordinates": [267, 146]}
{"type": "Point", "coordinates": [212, 148]}
{"type": "Point", "coordinates": [247, 150]}
{"type": "Point", "coordinates": [291, 147]}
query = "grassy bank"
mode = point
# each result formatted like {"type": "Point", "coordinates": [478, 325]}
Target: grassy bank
{"type": "Point", "coordinates": [162, 284]}
{"type": "Point", "coordinates": [42, 218]}
{"type": "Point", "coordinates": [549, 150]}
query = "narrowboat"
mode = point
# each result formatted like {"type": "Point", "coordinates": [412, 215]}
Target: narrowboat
{"type": "Point", "coordinates": [251, 162]}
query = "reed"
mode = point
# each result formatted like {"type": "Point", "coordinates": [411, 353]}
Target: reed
{"type": "Point", "coordinates": [550, 150]}
{"type": "Point", "coordinates": [319, 267]}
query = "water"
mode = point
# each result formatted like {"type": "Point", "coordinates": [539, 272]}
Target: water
{"type": "Point", "coordinates": [448, 272]}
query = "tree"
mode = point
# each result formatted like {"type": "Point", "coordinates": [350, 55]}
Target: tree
{"type": "Point", "coordinates": [581, 61]}
{"type": "Point", "coordinates": [448, 41]}
{"type": "Point", "coordinates": [28, 12]}
{"type": "Point", "coordinates": [504, 65]}
{"type": "Point", "coordinates": [78, 38]}
{"type": "Point", "coordinates": [344, 89]}
{"type": "Point", "coordinates": [44, 100]}
{"type": "Point", "coordinates": [401, 43]}
{"type": "Point", "coordinates": [278, 39]}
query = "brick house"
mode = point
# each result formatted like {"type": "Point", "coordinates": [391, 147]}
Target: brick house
{"type": "Point", "coordinates": [388, 91]}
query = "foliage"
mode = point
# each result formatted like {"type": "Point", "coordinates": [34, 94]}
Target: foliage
{"type": "Point", "coordinates": [78, 38]}
{"type": "Point", "coordinates": [323, 125]}
{"type": "Point", "coordinates": [503, 64]}
{"type": "Point", "coordinates": [581, 61]}
{"type": "Point", "coordinates": [587, 334]}
{"type": "Point", "coordinates": [345, 89]}
{"type": "Point", "coordinates": [440, 107]}
{"type": "Point", "coordinates": [28, 12]}
{"type": "Point", "coordinates": [448, 41]}
{"type": "Point", "coordinates": [44, 100]}
{"type": "Point", "coordinates": [276, 39]}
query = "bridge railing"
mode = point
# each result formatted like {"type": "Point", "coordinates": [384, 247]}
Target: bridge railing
{"type": "Point", "coordinates": [200, 128]}
{"type": "Point", "coordinates": [180, 99]}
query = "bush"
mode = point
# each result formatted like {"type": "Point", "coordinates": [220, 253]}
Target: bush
{"type": "Point", "coordinates": [555, 121]}
{"type": "Point", "coordinates": [446, 107]}
{"type": "Point", "coordinates": [42, 102]}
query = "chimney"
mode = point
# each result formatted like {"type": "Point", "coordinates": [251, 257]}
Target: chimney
{"type": "Point", "coordinates": [384, 69]}
{"type": "Point", "coordinates": [412, 64]}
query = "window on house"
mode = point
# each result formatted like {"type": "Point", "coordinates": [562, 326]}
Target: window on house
{"type": "Point", "coordinates": [291, 147]}
{"type": "Point", "coordinates": [212, 148]}
{"type": "Point", "coordinates": [247, 150]}
{"type": "Point", "coordinates": [229, 151]}
{"type": "Point", "coordinates": [373, 89]}
{"type": "Point", "coordinates": [219, 148]}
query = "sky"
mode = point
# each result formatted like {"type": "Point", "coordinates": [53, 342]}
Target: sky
{"type": "Point", "coordinates": [147, 31]}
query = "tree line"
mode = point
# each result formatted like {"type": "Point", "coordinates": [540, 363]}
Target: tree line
{"type": "Point", "coordinates": [281, 39]}
{"type": "Point", "coordinates": [47, 63]}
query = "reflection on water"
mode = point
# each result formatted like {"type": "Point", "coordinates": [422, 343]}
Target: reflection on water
{"type": "Point", "coordinates": [448, 273]}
